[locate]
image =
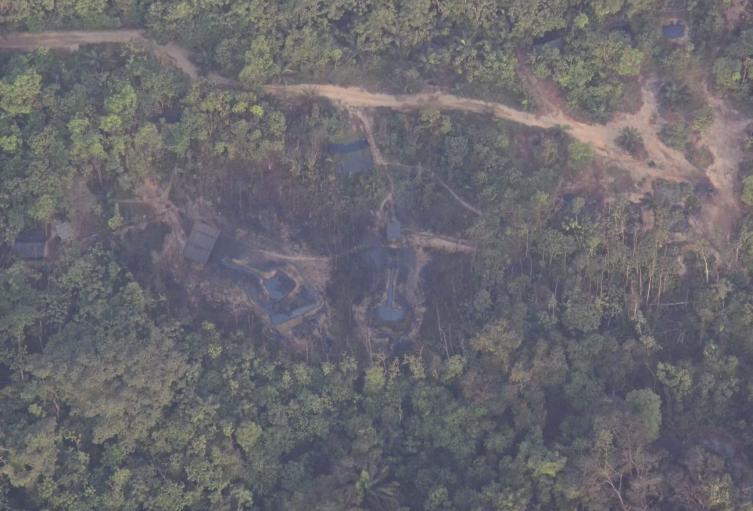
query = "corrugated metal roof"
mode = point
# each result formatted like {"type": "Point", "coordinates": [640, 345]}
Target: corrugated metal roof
{"type": "Point", "coordinates": [201, 242]}
{"type": "Point", "coordinates": [29, 249]}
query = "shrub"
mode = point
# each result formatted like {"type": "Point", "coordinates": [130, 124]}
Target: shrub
{"type": "Point", "coordinates": [631, 141]}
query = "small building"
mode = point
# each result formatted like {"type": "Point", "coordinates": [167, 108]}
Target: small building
{"type": "Point", "coordinates": [30, 250]}
{"type": "Point", "coordinates": [675, 30]}
{"type": "Point", "coordinates": [31, 245]}
{"type": "Point", "coordinates": [201, 242]}
{"type": "Point", "coordinates": [354, 156]}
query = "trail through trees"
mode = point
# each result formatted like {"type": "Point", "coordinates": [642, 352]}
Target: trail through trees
{"type": "Point", "coordinates": [669, 163]}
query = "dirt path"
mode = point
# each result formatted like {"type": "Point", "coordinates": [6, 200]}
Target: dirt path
{"type": "Point", "coordinates": [379, 159]}
{"type": "Point", "coordinates": [430, 240]}
{"type": "Point", "coordinates": [724, 139]}
{"type": "Point", "coordinates": [368, 128]}
{"type": "Point", "coordinates": [169, 54]}
{"type": "Point", "coordinates": [288, 257]}
{"type": "Point", "coordinates": [465, 204]}
{"type": "Point", "coordinates": [473, 209]}
{"type": "Point", "coordinates": [381, 163]}
{"type": "Point", "coordinates": [601, 137]}
{"type": "Point", "coordinates": [670, 164]}
{"type": "Point", "coordinates": [150, 193]}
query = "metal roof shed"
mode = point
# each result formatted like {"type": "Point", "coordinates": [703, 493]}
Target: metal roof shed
{"type": "Point", "coordinates": [31, 245]}
{"type": "Point", "coordinates": [201, 242]}
{"type": "Point", "coordinates": [29, 250]}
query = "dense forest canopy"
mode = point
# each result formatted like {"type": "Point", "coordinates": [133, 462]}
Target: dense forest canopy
{"type": "Point", "coordinates": [540, 301]}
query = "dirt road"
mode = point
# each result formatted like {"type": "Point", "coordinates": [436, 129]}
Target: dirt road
{"type": "Point", "coordinates": [723, 139]}
{"type": "Point", "coordinates": [600, 137]}
{"type": "Point", "coordinates": [671, 164]}
{"type": "Point", "coordinates": [169, 54]}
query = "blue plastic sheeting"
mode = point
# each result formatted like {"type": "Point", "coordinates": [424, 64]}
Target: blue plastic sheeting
{"type": "Point", "coordinates": [390, 311]}
{"type": "Point", "coordinates": [389, 314]}
{"type": "Point", "coordinates": [279, 286]}
{"type": "Point", "coordinates": [356, 162]}
{"type": "Point", "coordinates": [354, 157]}
{"type": "Point", "coordinates": [393, 230]}
{"type": "Point", "coordinates": [674, 31]}
{"type": "Point", "coordinates": [349, 147]}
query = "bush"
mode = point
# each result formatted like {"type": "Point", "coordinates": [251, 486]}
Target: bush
{"type": "Point", "coordinates": [701, 156]}
{"type": "Point", "coordinates": [747, 195]}
{"type": "Point", "coordinates": [675, 135]}
{"type": "Point", "coordinates": [579, 154]}
{"type": "Point", "coordinates": [631, 141]}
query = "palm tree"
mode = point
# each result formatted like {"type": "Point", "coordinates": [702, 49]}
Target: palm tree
{"type": "Point", "coordinates": [630, 140]}
{"type": "Point", "coordinates": [379, 492]}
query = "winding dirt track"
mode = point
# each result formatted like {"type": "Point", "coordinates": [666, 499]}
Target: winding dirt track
{"type": "Point", "coordinates": [722, 139]}
{"type": "Point", "coordinates": [170, 54]}
{"type": "Point", "coordinates": [600, 137]}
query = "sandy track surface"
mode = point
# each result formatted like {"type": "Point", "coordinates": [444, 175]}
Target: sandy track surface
{"type": "Point", "coordinates": [671, 163]}
{"type": "Point", "coordinates": [723, 138]}
{"type": "Point", "coordinates": [169, 54]}
{"type": "Point", "coordinates": [601, 137]}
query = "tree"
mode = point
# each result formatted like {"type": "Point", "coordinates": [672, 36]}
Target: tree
{"type": "Point", "coordinates": [747, 193]}
{"type": "Point", "coordinates": [621, 469]}
{"type": "Point", "coordinates": [727, 74]}
{"type": "Point", "coordinates": [647, 406]}
{"type": "Point", "coordinates": [675, 135]}
{"type": "Point", "coordinates": [377, 492]}
{"type": "Point", "coordinates": [674, 95]}
{"type": "Point", "coordinates": [110, 363]}
{"type": "Point", "coordinates": [579, 154]}
{"type": "Point", "coordinates": [630, 140]}
{"type": "Point", "coordinates": [18, 97]}
{"type": "Point", "coordinates": [247, 435]}
{"type": "Point", "coordinates": [33, 450]}
{"type": "Point", "coordinates": [260, 64]}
